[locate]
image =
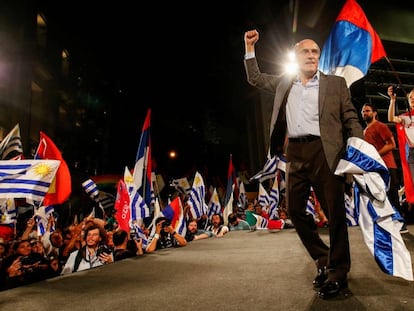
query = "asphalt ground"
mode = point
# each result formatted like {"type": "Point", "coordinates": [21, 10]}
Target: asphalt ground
{"type": "Point", "coordinates": [244, 270]}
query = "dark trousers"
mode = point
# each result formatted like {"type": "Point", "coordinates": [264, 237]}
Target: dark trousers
{"type": "Point", "coordinates": [307, 166]}
{"type": "Point", "coordinates": [393, 191]}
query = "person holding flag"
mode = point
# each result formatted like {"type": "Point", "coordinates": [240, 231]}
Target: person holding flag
{"type": "Point", "coordinates": [405, 134]}
{"type": "Point", "coordinates": [315, 112]}
{"type": "Point", "coordinates": [312, 121]}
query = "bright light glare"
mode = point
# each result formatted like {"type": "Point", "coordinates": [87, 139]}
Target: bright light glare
{"type": "Point", "coordinates": [291, 67]}
{"type": "Point", "coordinates": [172, 154]}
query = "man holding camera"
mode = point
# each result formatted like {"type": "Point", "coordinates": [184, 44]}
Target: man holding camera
{"type": "Point", "coordinates": [95, 253]}
{"type": "Point", "coordinates": [165, 236]}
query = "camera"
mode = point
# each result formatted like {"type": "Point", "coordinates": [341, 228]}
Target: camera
{"type": "Point", "coordinates": [395, 89]}
{"type": "Point", "coordinates": [27, 261]}
{"type": "Point", "coordinates": [103, 249]}
{"type": "Point", "coordinates": [133, 234]}
{"type": "Point", "coordinates": [165, 224]}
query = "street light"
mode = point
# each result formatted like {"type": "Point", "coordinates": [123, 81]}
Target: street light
{"type": "Point", "coordinates": [172, 154]}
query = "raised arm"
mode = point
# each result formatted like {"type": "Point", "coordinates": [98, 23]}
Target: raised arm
{"type": "Point", "coordinates": [152, 243]}
{"type": "Point", "coordinates": [250, 39]}
{"type": "Point", "coordinates": [391, 109]}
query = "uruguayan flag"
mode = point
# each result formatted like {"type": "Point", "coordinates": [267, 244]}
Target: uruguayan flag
{"type": "Point", "coordinates": [196, 198]}
{"type": "Point", "coordinates": [263, 198]}
{"type": "Point", "coordinates": [214, 206]}
{"type": "Point", "coordinates": [139, 209]}
{"type": "Point", "coordinates": [29, 179]}
{"type": "Point", "coordinates": [380, 223]}
{"type": "Point", "coordinates": [268, 171]}
{"type": "Point", "coordinates": [128, 179]}
{"type": "Point", "coordinates": [274, 200]}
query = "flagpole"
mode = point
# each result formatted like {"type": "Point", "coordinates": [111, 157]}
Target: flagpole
{"type": "Point", "coordinates": [395, 73]}
{"type": "Point", "coordinates": [156, 187]}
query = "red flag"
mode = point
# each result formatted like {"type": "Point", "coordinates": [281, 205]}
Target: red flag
{"type": "Point", "coordinates": [61, 187]}
{"type": "Point", "coordinates": [403, 147]}
{"type": "Point", "coordinates": [353, 13]}
{"type": "Point", "coordinates": [351, 46]}
{"type": "Point", "coordinates": [123, 211]}
{"type": "Point", "coordinates": [173, 211]}
{"type": "Point", "coordinates": [231, 180]}
{"type": "Point", "coordinates": [143, 163]}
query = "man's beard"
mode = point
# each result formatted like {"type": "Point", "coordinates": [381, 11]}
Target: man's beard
{"type": "Point", "coordinates": [368, 119]}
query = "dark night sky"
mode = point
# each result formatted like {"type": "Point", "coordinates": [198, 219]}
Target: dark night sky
{"type": "Point", "coordinates": [184, 61]}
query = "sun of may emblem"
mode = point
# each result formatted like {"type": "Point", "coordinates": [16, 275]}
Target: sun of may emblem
{"type": "Point", "coordinates": [129, 179]}
{"type": "Point", "coordinates": [43, 169]}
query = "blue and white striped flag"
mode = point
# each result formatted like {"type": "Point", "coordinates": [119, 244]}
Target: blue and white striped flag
{"type": "Point", "coordinates": [90, 188]}
{"type": "Point", "coordinates": [28, 179]}
{"type": "Point", "coordinates": [268, 171]}
{"type": "Point", "coordinates": [142, 174]}
{"type": "Point", "coordinates": [196, 198]}
{"type": "Point", "coordinates": [281, 164]}
{"type": "Point", "coordinates": [214, 206]}
{"type": "Point", "coordinates": [242, 198]}
{"type": "Point", "coordinates": [263, 198]}
{"type": "Point", "coordinates": [105, 201]}
{"type": "Point", "coordinates": [139, 209]}
{"type": "Point", "coordinates": [274, 200]}
{"type": "Point", "coordinates": [380, 223]}
{"type": "Point", "coordinates": [310, 208]}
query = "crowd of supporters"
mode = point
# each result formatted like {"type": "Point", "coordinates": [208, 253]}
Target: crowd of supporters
{"type": "Point", "coordinates": [28, 257]}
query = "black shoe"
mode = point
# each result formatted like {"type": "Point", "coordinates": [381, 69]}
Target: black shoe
{"type": "Point", "coordinates": [320, 278]}
{"type": "Point", "coordinates": [331, 289]}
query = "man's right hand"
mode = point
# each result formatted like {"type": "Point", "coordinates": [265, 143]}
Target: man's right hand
{"type": "Point", "coordinates": [251, 37]}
